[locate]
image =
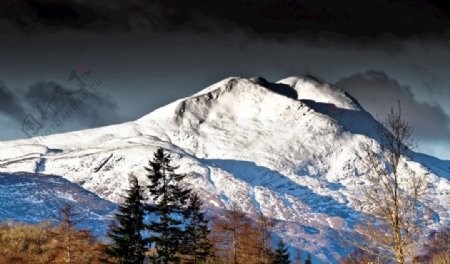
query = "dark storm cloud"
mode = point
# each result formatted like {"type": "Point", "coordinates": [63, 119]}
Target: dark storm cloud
{"type": "Point", "coordinates": [259, 18]}
{"type": "Point", "coordinates": [9, 104]}
{"type": "Point", "coordinates": [50, 100]}
{"type": "Point", "coordinates": [377, 92]}
{"type": "Point", "coordinates": [32, 16]}
{"type": "Point", "coordinates": [287, 17]}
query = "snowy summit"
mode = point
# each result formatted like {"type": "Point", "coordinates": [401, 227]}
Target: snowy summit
{"type": "Point", "coordinates": [290, 150]}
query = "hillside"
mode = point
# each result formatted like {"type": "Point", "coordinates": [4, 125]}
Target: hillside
{"type": "Point", "coordinates": [290, 150]}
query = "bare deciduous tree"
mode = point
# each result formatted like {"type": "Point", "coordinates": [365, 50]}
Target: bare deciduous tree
{"type": "Point", "coordinates": [236, 238]}
{"type": "Point", "coordinates": [231, 229]}
{"type": "Point", "coordinates": [392, 193]}
{"type": "Point", "coordinates": [265, 226]}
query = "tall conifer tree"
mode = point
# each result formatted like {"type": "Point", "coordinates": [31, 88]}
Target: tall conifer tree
{"type": "Point", "coordinates": [308, 259]}
{"type": "Point", "coordinates": [281, 254]}
{"type": "Point", "coordinates": [196, 245]}
{"type": "Point", "coordinates": [128, 245]}
{"type": "Point", "coordinates": [169, 201]}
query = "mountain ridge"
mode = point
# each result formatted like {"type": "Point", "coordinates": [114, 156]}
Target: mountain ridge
{"type": "Point", "coordinates": [290, 150]}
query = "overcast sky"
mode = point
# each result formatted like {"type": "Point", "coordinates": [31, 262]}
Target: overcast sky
{"type": "Point", "coordinates": [144, 54]}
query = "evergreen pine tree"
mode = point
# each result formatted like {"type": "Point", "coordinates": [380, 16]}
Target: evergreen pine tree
{"type": "Point", "coordinates": [169, 200]}
{"type": "Point", "coordinates": [196, 245]}
{"type": "Point", "coordinates": [308, 259]}
{"type": "Point", "coordinates": [281, 254]}
{"type": "Point", "coordinates": [128, 245]}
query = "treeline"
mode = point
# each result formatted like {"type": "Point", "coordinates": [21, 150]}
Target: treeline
{"type": "Point", "coordinates": [46, 243]}
{"type": "Point", "coordinates": [177, 230]}
{"type": "Point", "coordinates": [434, 251]}
{"type": "Point", "coordinates": [171, 227]}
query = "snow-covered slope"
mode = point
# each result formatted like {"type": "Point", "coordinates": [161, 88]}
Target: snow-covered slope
{"type": "Point", "coordinates": [32, 198]}
{"type": "Point", "coordinates": [288, 149]}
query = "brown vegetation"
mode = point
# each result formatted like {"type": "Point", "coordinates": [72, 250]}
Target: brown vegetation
{"type": "Point", "coordinates": [237, 239]}
{"type": "Point", "coordinates": [44, 243]}
{"type": "Point", "coordinates": [360, 257]}
{"type": "Point", "coordinates": [437, 250]}
{"type": "Point", "coordinates": [41, 243]}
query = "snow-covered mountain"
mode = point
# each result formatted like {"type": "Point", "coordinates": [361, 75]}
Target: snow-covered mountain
{"type": "Point", "coordinates": [288, 149]}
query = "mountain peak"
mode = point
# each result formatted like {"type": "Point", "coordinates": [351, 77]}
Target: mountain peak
{"type": "Point", "coordinates": [256, 98]}
{"type": "Point", "coordinates": [307, 88]}
{"type": "Point", "coordinates": [290, 150]}
{"type": "Point", "coordinates": [311, 89]}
